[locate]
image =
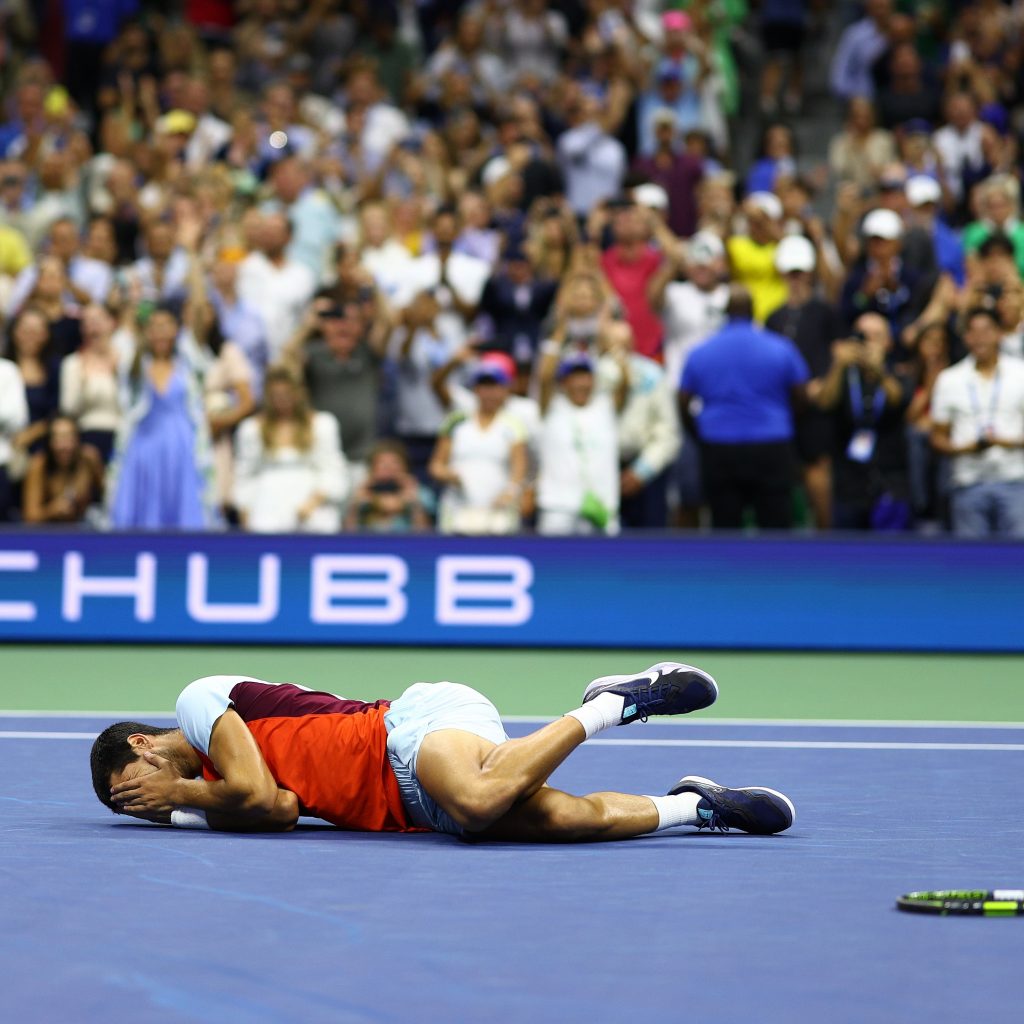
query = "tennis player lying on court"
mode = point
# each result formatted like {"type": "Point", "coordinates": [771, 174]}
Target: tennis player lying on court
{"type": "Point", "coordinates": [249, 755]}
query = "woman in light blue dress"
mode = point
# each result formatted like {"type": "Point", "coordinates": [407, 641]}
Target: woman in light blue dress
{"type": "Point", "coordinates": [161, 476]}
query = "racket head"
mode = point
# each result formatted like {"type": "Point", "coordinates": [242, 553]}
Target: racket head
{"type": "Point", "coordinates": [964, 902]}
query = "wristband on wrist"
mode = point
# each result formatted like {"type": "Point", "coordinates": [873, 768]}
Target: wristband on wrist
{"type": "Point", "coordinates": [189, 817]}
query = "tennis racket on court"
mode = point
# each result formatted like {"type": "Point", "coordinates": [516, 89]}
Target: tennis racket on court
{"type": "Point", "coordinates": [965, 902]}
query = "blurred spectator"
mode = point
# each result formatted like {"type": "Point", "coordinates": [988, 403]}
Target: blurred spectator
{"type": "Point", "coordinates": [50, 297]}
{"type": "Point", "coordinates": [90, 392]}
{"type": "Point", "coordinates": [158, 476]}
{"type": "Point", "coordinates": [30, 353]}
{"type": "Point", "coordinates": [420, 348]}
{"type": "Point", "coordinates": [648, 426]}
{"type": "Point", "coordinates": [272, 283]}
{"type": "Point", "coordinates": [88, 279]}
{"type": "Point", "coordinates": [928, 471]}
{"type": "Point", "coordinates": [978, 421]}
{"type": "Point", "coordinates": [752, 256]}
{"type": "Point", "coordinates": [630, 264]}
{"type": "Point", "coordinates": [389, 500]}
{"type": "Point", "coordinates": [315, 223]}
{"type": "Point", "coordinates": [881, 282]}
{"type": "Point", "coordinates": [160, 275]}
{"type": "Point", "coordinates": [959, 144]}
{"type": "Point", "coordinates": [998, 207]}
{"type": "Point", "coordinates": [481, 460]}
{"type": "Point", "coordinates": [676, 87]}
{"type": "Point", "coordinates": [381, 253]}
{"type": "Point", "coordinates": [692, 310]}
{"type": "Point", "coordinates": [908, 95]}
{"type": "Point", "coordinates": [290, 474]}
{"type": "Point", "coordinates": [593, 162]}
{"type": "Point", "coordinates": [675, 170]}
{"type": "Point", "coordinates": [339, 359]}
{"type": "Point", "coordinates": [860, 45]}
{"type": "Point", "coordinates": [516, 303]}
{"type": "Point", "coordinates": [783, 24]}
{"type": "Point", "coordinates": [747, 381]}
{"type": "Point", "coordinates": [775, 161]}
{"type": "Point", "coordinates": [930, 242]}
{"type": "Point", "coordinates": [457, 280]}
{"type": "Point", "coordinates": [238, 320]}
{"type": "Point", "coordinates": [13, 420]}
{"type": "Point", "coordinates": [578, 474]}
{"type": "Point", "coordinates": [531, 35]}
{"type": "Point", "coordinates": [812, 324]}
{"type": "Point", "coordinates": [63, 479]}
{"type": "Point", "coordinates": [227, 374]}
{"type": "Point", "coordinates": [868, 402]}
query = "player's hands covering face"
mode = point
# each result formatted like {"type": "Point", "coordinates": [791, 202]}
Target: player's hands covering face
{"type": "Point", "coordinates": [153, 790]}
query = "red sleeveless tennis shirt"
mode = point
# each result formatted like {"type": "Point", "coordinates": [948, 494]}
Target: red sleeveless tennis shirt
{"type": "Point", "coordinates": [329, 751]}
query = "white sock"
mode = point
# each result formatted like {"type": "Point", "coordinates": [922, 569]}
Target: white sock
{"type": "Point", "coordinates": [601, 713]}
{"type": "Point", "coordinates": [677, 810]}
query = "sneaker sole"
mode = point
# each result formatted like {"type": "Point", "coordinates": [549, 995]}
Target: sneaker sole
{"type": "Point", "coordinates": [697, 780]}
{"type": "Point", "coordinates": [604, 681]}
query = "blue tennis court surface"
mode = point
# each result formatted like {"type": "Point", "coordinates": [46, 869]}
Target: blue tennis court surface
{"type": "Point", "coordinates": [113, 921]}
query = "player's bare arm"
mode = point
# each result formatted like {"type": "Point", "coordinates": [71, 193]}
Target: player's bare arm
{"type": "Point", "coordinates": [246, 797]}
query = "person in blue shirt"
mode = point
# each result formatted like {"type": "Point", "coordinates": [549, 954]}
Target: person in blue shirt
{"type": "Point", "coordinates": [737, 396]}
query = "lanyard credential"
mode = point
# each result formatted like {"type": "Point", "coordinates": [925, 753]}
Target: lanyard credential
{"type": "Point", "coordinates": [857, 398]}
{"type": "Point", "coordinates": [993, 403]}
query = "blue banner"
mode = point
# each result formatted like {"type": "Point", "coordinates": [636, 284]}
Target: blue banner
{"type": "Point", "coordinates": [662, 591]}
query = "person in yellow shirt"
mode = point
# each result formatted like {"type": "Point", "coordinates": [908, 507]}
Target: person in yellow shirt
{"type": "Point", "coordinates": [752, 256]}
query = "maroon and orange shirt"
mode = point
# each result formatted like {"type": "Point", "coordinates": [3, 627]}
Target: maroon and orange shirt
{"type": "Point", "coordinates": [329, 751]}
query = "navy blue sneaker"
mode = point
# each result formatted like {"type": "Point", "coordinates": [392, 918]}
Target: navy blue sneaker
{"type": "Point", "coordinates": [667, 688]}
{"type": "Point", "coordinates": [759, 811]}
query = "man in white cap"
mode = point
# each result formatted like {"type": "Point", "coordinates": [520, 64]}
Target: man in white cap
{"type": "Point", "coordinates": [691, 310]}
{"type": "Point", "coordinates": [812, 324]}
{"type": "Point", "coordinates": [885, 283]}
{"type": "Point", "coordinates": [929, 240]}
{"type": "Point", "coordinates": [752, 255]}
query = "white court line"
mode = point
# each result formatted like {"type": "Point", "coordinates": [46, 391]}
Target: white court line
{"type": "Point", "coordinates": [767, 723]}
{"type": "Point", "coordinates": [814, 723]}
{"type": "Point", "coordinates": [774, 744]}
{"type": "Point", "coordinates": [810, 744]}
{"type": "Point", "coordinates": [47, 735]}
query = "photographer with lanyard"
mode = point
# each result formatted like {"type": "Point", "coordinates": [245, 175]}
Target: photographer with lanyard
{"type": "Point", "coordinates": [978, 421]}
{"type": "Point", "coordinates": [868, 402]}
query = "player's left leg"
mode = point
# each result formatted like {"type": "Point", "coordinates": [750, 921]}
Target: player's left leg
{"type": "Point", "coordinates": [551, 816]}
{"type": "Point", "coordinates": [476, 780]}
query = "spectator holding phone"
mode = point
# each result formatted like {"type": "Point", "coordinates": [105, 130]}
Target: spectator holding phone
{"type": "Point", "coordinates": [978, 421]}
{"type": "Point", "coordinates": [867, 402]}
{"type": "Point", "coordinates": [390, 499]}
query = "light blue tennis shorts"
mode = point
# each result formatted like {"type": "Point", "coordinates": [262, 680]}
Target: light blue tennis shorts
{"type": "Point", "coordinates": [425, 708]}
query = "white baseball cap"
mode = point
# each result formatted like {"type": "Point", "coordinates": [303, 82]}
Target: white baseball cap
{"type": "Point", "coordinates": [653, 196]}
{"type": "Point", "coordinates": [768, 203]}
{"type": "Point", "coordinates": [704, 247]}
{"type": "Point", "coordinates": [921, 190]}
{"type": "Point", "coordinates": [882, 224]}
{"type": "Point", "coordinates": [795, 253]}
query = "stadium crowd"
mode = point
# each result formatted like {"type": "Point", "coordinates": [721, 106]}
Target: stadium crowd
{"type": "Point", "coordinates": [493, 266]}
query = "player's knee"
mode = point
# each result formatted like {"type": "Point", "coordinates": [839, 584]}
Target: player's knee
{"type": "Point", "coordinates": [480, 805]}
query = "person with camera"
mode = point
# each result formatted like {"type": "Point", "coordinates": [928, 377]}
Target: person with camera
{"type": "Point", "coordinates": [978, 421]}
{"type": "Point", "coordinates": [867, 402]}
{"type": "Point", "coordinates": [390, 499]}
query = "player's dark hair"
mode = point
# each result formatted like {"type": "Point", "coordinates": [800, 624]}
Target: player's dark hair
{"type": "Point", "coordinates": [111, 753]}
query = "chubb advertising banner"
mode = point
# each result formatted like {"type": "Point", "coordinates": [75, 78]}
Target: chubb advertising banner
{"type": "Point", "coordinates": [664, 591]}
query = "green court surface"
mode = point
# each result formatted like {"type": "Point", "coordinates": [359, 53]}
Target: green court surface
{"type": "Point", "coordinates": [979, 688]}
